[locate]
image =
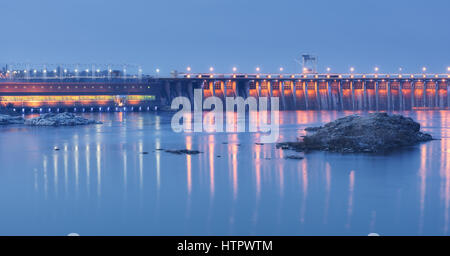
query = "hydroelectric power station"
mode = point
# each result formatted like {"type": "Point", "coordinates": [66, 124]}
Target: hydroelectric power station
{"type": "Point", "coordinates": [109, 90]}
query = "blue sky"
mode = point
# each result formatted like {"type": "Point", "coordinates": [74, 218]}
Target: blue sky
{"type": "Point", "coordinates": [174, 34]}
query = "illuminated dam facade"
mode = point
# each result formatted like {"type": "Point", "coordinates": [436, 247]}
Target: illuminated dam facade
{"type": "Point", "coordinates": [387, 92]}
{"type": "Point", "coordinates": [78, 95]}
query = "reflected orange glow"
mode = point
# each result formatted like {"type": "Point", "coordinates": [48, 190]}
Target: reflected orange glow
{"type": "Point", "coordinates": [189, 164]}
{"type": "Point", "coordinates": [211, 162]}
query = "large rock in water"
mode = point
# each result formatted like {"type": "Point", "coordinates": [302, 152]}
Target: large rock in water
{"type": "Point", "coordinates": [377, 132]}
{"type": "Point", "coordinates": [61, 119]}
{"type": "Point", "coordinates": [7, 119]}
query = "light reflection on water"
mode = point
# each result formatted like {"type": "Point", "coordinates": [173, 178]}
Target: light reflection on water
{"type": "Point", "coordinates": [101, 183]}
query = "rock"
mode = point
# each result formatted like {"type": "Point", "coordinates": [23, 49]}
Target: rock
{"type": "Point", "coordinates": [313, 129]}
{"type": "Point", "coordinates": [296, 157]}
{"type": "Point", "coordinates": [7, 119]}
{"type": "Point", "coordinates": [60, 119]}
{"type": "Point", "coordinates": [377, 132]}
{"type": "Point", "coordinates": [183, 151]}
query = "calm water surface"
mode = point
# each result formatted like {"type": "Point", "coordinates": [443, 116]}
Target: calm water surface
{"type": "Point", "coordinates": [100, 184]}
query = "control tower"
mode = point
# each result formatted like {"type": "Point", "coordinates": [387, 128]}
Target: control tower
{"type": "Point", "coordinates": [309, 64]}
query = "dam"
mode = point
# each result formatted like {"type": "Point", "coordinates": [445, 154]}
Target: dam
{"type": "Point", "coordinates": [386, 92]}
{"type": "Point", "coordinates": [118, 92]}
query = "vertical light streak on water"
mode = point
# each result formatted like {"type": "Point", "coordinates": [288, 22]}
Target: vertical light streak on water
{"type": "Point", "coordinates": [125, 170]}
{"type": "Point", "coordinates": [280, 170]}
{"type": "Point", "coordinates": [45, 177]}
{"type": "Point", "coordinates": [88, 170]}
{"type": "Point", "coordinates": [327, 191]}
{"type": "Point", "coordinates": [351, 189]}
{"type": "Point", "coordinates": [189, 164]}
{"type": "Point", "coordinates": [304, 174]}
{"type": "Point", "coordinates": [423, 186]}
{"type": "Point", "coordinates": [66, 171]}
{"type": "Point", "coordinates": [258, 171]}
{"type": "Point", "coordinates": [76, 169]}
{"type": "Point", "coordinates": [157, 123]}
{"type": "Point", "coordinates": [141, 165]}
{"type": "Point", "coordinates": [99, 170]}
{"type": "Point", "coordinates": [36, 185]}
{"type": "Point", "coordinates": [211, 164]}
{"type": "Point", "coordinates": [55, 173]}
{"type": "Point", "coordinates": [158, 163]}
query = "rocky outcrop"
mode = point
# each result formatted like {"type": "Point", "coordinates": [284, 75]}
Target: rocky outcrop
{"type": "Point", "coordinates": [60, 119]}
{"type": "Point", "coordinates": [377, 132]}
{"type": "Point", "coordinates": [7, 119]}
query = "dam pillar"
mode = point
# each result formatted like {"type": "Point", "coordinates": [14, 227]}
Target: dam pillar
{"type": "Point", "coordinates": [352, 89]}
{"type": "Point", "coordinates": [178, 89]}
{"type": "Point", "coordinates": [190, 91]}
{"type": "Point", "coordinates": [376, 95]}
{"type": "Point", "coordinates": [424, 91]}
{"type": "Point", "coordinates": [436, 91]}
{"type": "Point", "coordinates": [167, 91]}
{"type": "Point", "coordinates": [389, 100]}
{"type": "Point", "coordinates": [246, 89]}
{"type": "Point", "coordinates": [365, 96]}
{"type": "Point", "coordinates": [330, 100]}
{"type": "Point", "coordinates": [305, 90]}
{"type": "Point", "coordinates": [318, 100]}
{"type": "Point", "coordinates": [341, 94]}
{"type": "Point", "coordinates": [400, 94]}
{"type": "Point", "coordinates": [448, 94]}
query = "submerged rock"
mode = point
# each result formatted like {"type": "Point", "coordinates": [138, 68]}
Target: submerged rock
{"type": "Point", "coordinates": [377, 132]}
{"type": "Point", "coordinates": [296, 157]}
{"type": "Point", "coordinates": [61, 119]}
{"type": "Point", "coordinates": [7, 119]}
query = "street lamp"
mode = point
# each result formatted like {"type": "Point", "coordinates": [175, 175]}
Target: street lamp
{"type": "Point", "coordinates": [211, 69]}
{"type": "Point", "coordinates": [234, 69]}
{"type": "Point", "coordinates": [328, 70]}
{"type": "Point", "coordinates": [352, 69]}
{"type": "Point", "coordinates": [257, 69]}
{"type": "Point", "coordinates": [376, 69]}
{"type": "Point", "coordinates": [281, 69]}
{"type": "Point", "coordinates": [424, 69]}
{"type": "Point", "coordinates": [188, 69]}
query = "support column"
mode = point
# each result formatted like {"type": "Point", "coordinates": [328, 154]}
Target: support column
{"type": "Point", "coordinates": [376, 95]}
{"type": "Point", "coordinates": [365, 96]}
{"type": "Point", "coordinates": [341, 96]}
{"type": "Point", "coordinates": [424, 93]}
{"type": "Point", "coordinates": [436, 100]}
{"type": "Point", "coordinates": [319, 103]}
{"type": "Point", "coordinates": [305, 90]}
{"type": "Point", "coordinates": [389, 101]}
{"type": "Point", "coordinates": [330, 100]}
{"type": "Point", "coordinates": [294, 94]}
{"type": "Point", "coordinates": [400, 94]}
{"type": "Point", "coordinates": [413, 89]}
{"type": "Point", "coordinates": [353, 94]}
{"type": "Point", "coordinates": [448, 94]}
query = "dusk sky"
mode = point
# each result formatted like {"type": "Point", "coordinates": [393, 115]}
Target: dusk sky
{"type": "Point", "coordinates": [174, 34]}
